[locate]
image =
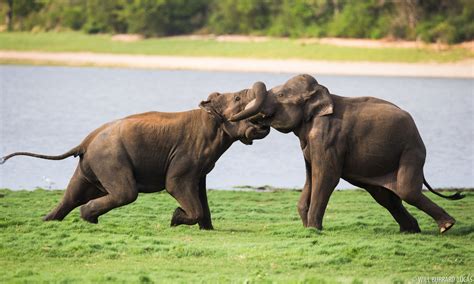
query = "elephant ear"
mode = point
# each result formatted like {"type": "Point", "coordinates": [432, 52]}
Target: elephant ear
{"type": "Point", "coordinates": [209, 105]}
{"type": "Point", "coordinates": [317, 102]}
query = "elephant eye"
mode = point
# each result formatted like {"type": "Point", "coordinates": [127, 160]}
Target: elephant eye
{"type": "Point", "coordinates": [237, 99]}
{"type": "Point", "coordinates": [280, 95]}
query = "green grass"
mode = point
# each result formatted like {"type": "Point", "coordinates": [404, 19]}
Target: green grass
{"type": "Point", "coordinates": [274, 49]}
{"type": "Point", "coordinates": [258, 238]}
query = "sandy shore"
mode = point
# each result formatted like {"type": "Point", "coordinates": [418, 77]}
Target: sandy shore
{"type": "Point", "coordinates": [464, 69]}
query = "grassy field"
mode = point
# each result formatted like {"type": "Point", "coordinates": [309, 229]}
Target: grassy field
{"type": "Point", "coordinates": [274, 49]}
{"type": "Point", "coordinates": [258, 238]}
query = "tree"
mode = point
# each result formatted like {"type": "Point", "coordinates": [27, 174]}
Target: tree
{"type": "Point", "coordinates": [9, 15]}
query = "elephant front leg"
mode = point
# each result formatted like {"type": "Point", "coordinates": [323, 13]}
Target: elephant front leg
{"type": "Point", "coordinates": [325, 176]}
{"type": "Point", "coordinates": [187, 194]}
{"type": "Point", "coordinates": [304, 202]}
{"type": "Point", "coordinates": [205, 223]}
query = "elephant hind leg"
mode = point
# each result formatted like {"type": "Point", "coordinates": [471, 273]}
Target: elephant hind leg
{"type": "Point", "coordinates": [121, 190]}
{"type": "Point", "coordinates": [79, 191]}
{"type": "Point", "coordinates": [394, 205]}
{"type": "Point", "coordinates": [442, 218]}
{"type": "Point", "coordinates": [409, 185]}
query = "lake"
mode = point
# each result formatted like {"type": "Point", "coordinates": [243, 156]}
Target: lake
{"type": "Point", "coordinates": [49, 110]}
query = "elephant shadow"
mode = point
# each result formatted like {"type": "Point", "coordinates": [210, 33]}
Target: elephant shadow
{"type": "Point", "coordinates": [234, 230]}
{"type": "Point", "coordinates": [462, 230]}
{"type": "Point", "coordinates": [458, 230]}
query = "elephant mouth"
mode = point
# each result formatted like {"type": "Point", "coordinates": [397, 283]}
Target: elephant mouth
{"type": "Point", "coordinates": [255, 132]}
{"type": "Point", "coordinates": [263, 120]}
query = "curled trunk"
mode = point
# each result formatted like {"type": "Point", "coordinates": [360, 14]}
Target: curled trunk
{"type": "Point", "coordinates": [260, 91]}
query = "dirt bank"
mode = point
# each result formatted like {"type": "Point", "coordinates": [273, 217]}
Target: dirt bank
{"type": "Point", "coordinates": [464, 69]}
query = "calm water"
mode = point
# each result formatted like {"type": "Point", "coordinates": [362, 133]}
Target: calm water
{"type": "Point", "coordinates": [51, 109]}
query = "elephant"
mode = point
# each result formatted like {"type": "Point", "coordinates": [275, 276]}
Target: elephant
{"type": "Point", "coordinates": [371, 143]}
{"type": "Point", "coordinates": [153, 151]}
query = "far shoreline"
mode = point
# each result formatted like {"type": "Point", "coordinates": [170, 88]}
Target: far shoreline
{"type": "Point", "coordinates": [461, 69]}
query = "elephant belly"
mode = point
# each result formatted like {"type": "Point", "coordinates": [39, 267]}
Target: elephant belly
{"type": "Point", "coordinates": [150, 179]}
{"type": "Point", "coordinates": [149, 188]}
{"type": "Point", "coordinates": [375, 146]}
{"type": "Point", "coordinates": [373, 163]}
{"type": "Point", "coordinates": [388, 180]}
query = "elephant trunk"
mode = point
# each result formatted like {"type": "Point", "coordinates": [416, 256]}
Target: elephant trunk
{"type": "Point", "coordinates": [260, 91]}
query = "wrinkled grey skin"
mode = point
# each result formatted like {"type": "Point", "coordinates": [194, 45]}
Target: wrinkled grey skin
{"type": "Point", "coordinates": [368, 142]}
{"type": "Point", "coordinates": [152, 151]}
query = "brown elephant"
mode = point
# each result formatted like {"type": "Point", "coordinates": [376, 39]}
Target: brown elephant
{"type": "Point", "coordinates": [369, 142]}
{"type": "Point", "coordinates": [152, 151]}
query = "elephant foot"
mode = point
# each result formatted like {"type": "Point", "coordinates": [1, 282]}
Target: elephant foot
{"type": "Point", "coordinates": [316, 223]}
{"type": "Point", "coordinates": [303, 211]}
{"type": "Point", "coordinates": [443, 227]}
{"type": "Point", "coordinates": [317, 227]}
{"type": "Point", "coordinates": [51, 217]}
{"type": "Point", "coordinates": [180, 217]}
{"type": "Point", "coordinates": [177, 216]}
{"type": "Point", "coordinates": [207, 226]}
{"type": "Point", "coordinates": [305, 222]}
{"type": "Point", "coordinates": [86, 216]}
{"type": "Point", "coordinates": [413, 230]}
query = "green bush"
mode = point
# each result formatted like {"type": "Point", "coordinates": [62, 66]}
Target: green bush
{"type": "Point", "coordinates": [240, 16]}
{"type": "Point", "coordinates": [101, 15]}
{"type": "Point", "coordinates": [430, 20]}
{"type": "Point", "coordinates": [359, 19]}
{"type": "Point", "coordinates": [443, 32]}
{"type": "Point", "coordinates": [74, 18]}
{"type": "Point", "coordinates": [300, 18]}
{"type": "Point", "coordinates": [165, 17]}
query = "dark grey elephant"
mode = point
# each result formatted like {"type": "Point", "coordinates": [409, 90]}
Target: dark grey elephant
{"type": "Point", "coordinates": [366, 141]}
{"type": "Point", "coordinates": [152, 151]}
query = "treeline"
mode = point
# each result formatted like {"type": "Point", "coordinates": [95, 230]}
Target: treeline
{"type": "Point", "coordinates": [428, 20]}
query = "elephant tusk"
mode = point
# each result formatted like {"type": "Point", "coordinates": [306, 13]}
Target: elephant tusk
{"type": "Point", "coordinates": [260, 92]}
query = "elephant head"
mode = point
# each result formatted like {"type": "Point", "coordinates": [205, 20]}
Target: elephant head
{"type": "Point", "coordinates": [233, 109]}
{"type": "Point", "coordinates": [287, 106]}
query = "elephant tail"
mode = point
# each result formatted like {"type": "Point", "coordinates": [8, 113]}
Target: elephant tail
{"type": "Point", "coordinates": [455, 196]}
{"type": "Point", "coordinates": [76, 151]}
